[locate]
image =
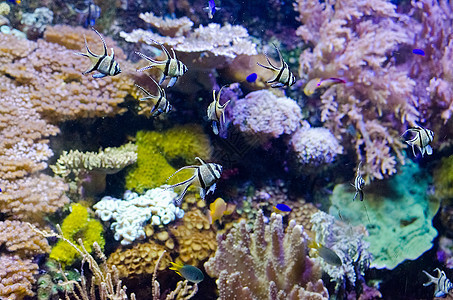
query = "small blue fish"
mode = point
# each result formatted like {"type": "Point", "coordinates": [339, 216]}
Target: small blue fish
{"type": "Point", "coordinates": [252, 77]}
{"type": "Point", "coordinates": [14, 1]}
{"type": "Point", "coordinates": [418, 52]}
{"type": "Point", "coordinates": [211, 9]}
{"type": "Point", "coordinates": [282, 208]}
{"type": "Point", "coordinates": [191, 273]}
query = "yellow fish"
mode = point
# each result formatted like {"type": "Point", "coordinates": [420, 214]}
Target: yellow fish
{"type": "Point", "coordinates": [318, 83]}
{"type": "Point", "coordinates": [218, 209]}
{"type": "Point", "coordinates": [191, 273]}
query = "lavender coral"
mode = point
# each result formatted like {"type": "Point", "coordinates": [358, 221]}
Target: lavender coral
{"type": "Point", "coordinates": [354, 40]}
{"type": "Point", "coordinates": [264, 115]}
{"type": "Point", "coordinates": [266, 263]}
{"type": "Point", "coordinates": [315, 146]}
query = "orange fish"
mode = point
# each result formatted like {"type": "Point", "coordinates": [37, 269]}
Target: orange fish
{"type": "Point", "coordinates": [218, 209]}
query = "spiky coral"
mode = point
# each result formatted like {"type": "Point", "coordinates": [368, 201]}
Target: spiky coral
{"type": "Point", "coordinates": [158, 151]}
{"type": "Point", "coordinates": [266, 263]}
{"type": "Point", "coordinates": [354, 40]}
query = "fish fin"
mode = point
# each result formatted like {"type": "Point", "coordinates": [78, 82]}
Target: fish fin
{"type": "Point", "coordinates": [98, 75]}
{"type": "Point", "coordinates": [88, 49]}
{"type": "Point", "coordinates": [215, 129]}
{"type": "Point", "coordinates": [276, 85]}
{"type": "Point", "coordinates": [429, 150]}
{"type": "Point", "coordinates": [113, 54]}
{"type": "Point", "coordinates": [282, 62]}
{"type": "Point", "coordinates": [202, 193]}
{"type": "Point", "coordinates": [163, 48]}
{"type": "Point", "coordinates": [269, 61]}
{"type": "Point", "coordinates": [144, 91]}
{"type": "Point", "coordinates": [178, 200]}
{"type": "Point", "coordinates": [200, 160]}
{"type": "Point", "coordinates": [172, 82]}
{"type": "Point", "coordinates": [102, 39]}
{"type": "Point", "coordinates": [162, 78]}
{"type": "Point", "coordinates": [266, 67]}
{"type": "Point", "coordinates": [355, 196]}
{"type": "Point", "coordinates": [211, 189]}
{"type": "Point", "coordinates": [154, 63]}
{"type": "Point", "coordinates": [81, 54]}
{"type": "Point", "coordinates": [361, 195]}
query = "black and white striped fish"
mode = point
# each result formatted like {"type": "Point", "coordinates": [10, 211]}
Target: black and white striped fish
{"type": "Point", "coordinates": [171, 67]}
{"type": "Point", "coordinates": [216, 112]}
{"type": "Point", "coordinates": [422, 138]}
{"type": "Point", "coordinates": [442, 284]}
{"type": "Point", "coordinates": [283, 75]}
{"type": "Point", "coordinates": [161, 105]}
{"type": "Point", "coordinates": [104, 64]}
{"type": "Point", "coordinates": [359, 182]}
{"type": "Point", "coordinates": [205, 176]}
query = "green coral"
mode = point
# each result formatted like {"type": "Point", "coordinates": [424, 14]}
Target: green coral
{"type": "Point", "coordinates": [443, 180]}
{"type": "Point", "coordinates": [158, 152]}
{"type": "Point", "coordinates": [77, 225]}
{"type": "Point", "coordinates": [400, 214]}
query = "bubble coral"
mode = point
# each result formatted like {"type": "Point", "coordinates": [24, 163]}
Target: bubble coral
{"type": "Point", "coordinates": [77, 224]}
{"type": "Point", "coordinates": [157, 151]}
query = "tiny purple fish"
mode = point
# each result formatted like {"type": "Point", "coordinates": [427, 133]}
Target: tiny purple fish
{"type": "Point", "coordinates": [418, 52]}
{"type": "Point", "coordinates": [282, 208]}
{"type": "Point", "coordinates": [252, 77]}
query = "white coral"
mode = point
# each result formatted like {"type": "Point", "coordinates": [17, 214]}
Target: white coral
{"type": "Point", "coordinates": [131, 214]}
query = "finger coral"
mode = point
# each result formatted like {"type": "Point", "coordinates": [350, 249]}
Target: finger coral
{"type": "Point", "coordinates": [265, 263]}
{"type": "Point", "coordinates": [16, 277]}
{"type": "Point", "coordinates": [377, 98]}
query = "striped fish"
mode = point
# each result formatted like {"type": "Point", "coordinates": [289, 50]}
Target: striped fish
{"type": "Point", "coordinates": [205, 176]}
{"type": "Point", "coordinates": [104, 64]}
{"type": "Point", "coordinates": [162, 105]}
{"type": "Point", "coordinates": [442, 284]}
{"type": "Point", "coordinates": [423, 137]}
{"type": "Point", "coordinates": [283, 75]}
{"type": "Point", "coordinates": [171, 67]}
{"type": "Point", "coordinates": [216, 112]}
{"type": "Point", "coordinates": [359, 182]}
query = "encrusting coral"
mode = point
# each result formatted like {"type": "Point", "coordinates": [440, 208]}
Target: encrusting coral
{"type": "Point", "coordinates": [266, 263]}
{"type": "Point", "coordinates": [158, 151]}
{"type": "Point", "coordinates": [377, 98]}
{"type": "Point", "coordinates": [78, 224]}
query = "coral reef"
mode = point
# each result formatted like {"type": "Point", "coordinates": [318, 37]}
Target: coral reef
{"type": "Point", "coordinates": [21, 240]}
{"type": "Point", "coordinates": [264, 115]}
{"type": "Point", "coordinates": [158, 151]}
{"type": "Point", "coordinates": [138, 260]}
{"type": "Point", "coordinates": [76, 225]}
{"type": "Point", "coordinates": [378, 97]}
{"type": "Point", "coordinates": [211, 46]}
{"type": "Point", "coordinates": [265, 263]}
{"type": "Point", "coordinates": [407, 231]}
{"type": "Point", "coordinates": [315, 146]}
{"type": "Point", "coordinates": [16, 277]}
{"type": "Point", "coordinates": [196, 241]}
{"type": "Point", "coordinates": [90, 169]}
{"type": "Point", "coordinates": [131, 214]}
{"type": "Point", "coordinates": [348, 243]}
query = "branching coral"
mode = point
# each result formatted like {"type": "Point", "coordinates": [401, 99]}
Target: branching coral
{"type": "Point", "coordinates": [90, 168]}
{"type": "Point", "coordinates": [16, 277]}
{"type": "Point", "coordinates": [218, 44]}
{"type": "Point", "coordinates": [265, 263]}
{"type": "Point", "coordinates": [354, 40]}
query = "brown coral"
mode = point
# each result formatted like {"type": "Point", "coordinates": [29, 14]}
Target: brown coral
{"type": "Point", "coordinates": [197, 242]}
{"type": "Point", "coordinates": [138, 260]}
{"type": "Point", "coordinates": [16, 277]}
{"type": "Point", "coordinates": [21, 239]}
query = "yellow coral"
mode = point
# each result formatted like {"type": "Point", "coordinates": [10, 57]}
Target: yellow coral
{"type": "Point", "coordinates": [77, 225]}
{"type": "Point", "coordinates": [157, 152]}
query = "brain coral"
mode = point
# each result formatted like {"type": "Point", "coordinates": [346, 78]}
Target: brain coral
{"type": "Point", "coordinates": [264, 115]}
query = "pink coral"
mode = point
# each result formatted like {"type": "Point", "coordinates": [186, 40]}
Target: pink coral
{"type": "Point", "coordinates": [264, 115]}
{"type": "Point", "coordinates": [266, 263]}
{"type": "Point", "coordinates": [353, 40]}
